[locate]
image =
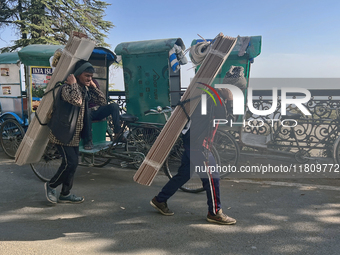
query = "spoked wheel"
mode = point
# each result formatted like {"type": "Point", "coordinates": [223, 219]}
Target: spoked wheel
{"type": "Point", "coordinates": [302, 156]}
{"type": "Point", "coordinates": [109, 129]}
{"type": "Point", "coordinates": [95, 160]}
{"type": "Point", "coordinates": [141, 139]}
{"type": "Point", "coordinates": [228, 150]}
{"type": "Point", "coordinates": [173, 162]}
{"type": "Point", "coordinates": [138, 159]}
{"type": "Point", "coordinates": [12, 134]}
{"type": "Point", "coordinates": [48, 164]}
{"type": "Point", "coordinates": [336, 151]}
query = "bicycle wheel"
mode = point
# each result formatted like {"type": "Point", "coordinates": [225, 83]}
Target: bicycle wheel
{"type": "Point", "coordinates": [95, 160]}
{"type": "Point", "coordinates": [336, 151]}
{"type": "Point", "coordinates": [173, 162]}
{"type": "Point", "coordinates": [109, 129]}
{"type": "Point", "coordinates": [141, 139]}
{"type": "Point", "coordinates": [48, 164]}
{"type": "Point", "coordinates": [12, 134]}
{"type": "Point", "coordinates": [228, 150]}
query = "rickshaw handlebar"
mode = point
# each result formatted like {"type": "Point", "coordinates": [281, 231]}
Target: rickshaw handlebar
{"type": "Point", "coordinates": [159, 110]}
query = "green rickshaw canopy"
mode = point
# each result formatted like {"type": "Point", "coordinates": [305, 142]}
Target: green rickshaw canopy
{"type": "Point", "coordinates": [37, 54]}
{"type": "Point", "coordinates": [9, 58]}
{"type": "Point", "coordinates": [149, 46]}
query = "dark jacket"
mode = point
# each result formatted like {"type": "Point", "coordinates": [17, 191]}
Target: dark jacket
{"type": "Point", "coordinates": [70, 108]}
{"type": "Point", "coordinates": [64, 119]}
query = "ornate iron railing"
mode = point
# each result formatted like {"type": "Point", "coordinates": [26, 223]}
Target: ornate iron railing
{"type": "Point", "coordinates": [319, 130]}
{"type": "Point", "coordinates": [119, 98]}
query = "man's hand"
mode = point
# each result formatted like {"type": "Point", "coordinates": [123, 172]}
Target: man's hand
{"type": "Point", "coordinates": [92, 84]}
{"type": "Point", "coordinates": [71, 79]}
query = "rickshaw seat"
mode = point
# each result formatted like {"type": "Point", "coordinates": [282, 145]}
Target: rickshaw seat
{"type": "Point", "coordinates": [128, 118]}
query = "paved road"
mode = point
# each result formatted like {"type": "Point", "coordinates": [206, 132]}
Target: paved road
{"type": "Point", "coordinates": [286, 216]}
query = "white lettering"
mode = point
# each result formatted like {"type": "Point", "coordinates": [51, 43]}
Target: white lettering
{"type": "Point", "coordinates": [219, 121]}
{"type": "Point", "coordinates": [297, 101]}
{"type": "Point", "coordinates": [262, 112]}
{"type": "Point", "coordinates": [238, 100]}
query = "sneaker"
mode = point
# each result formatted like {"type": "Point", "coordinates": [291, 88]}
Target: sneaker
{"type": "Point", "coordinates": [220, 218]}
{"type": "Point", "coordinates": [51, 194]}
{"type": "Point", "coordinates": [71, 199]}
{"type": "Point", "coordinates": [161, 207]}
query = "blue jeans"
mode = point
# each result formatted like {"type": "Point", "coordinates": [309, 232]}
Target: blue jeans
{"type": "Point", "coordinates": [105, 111]}
{"type": "Point", "coordinates": [99, 114]}
{"type": "Point", "coordinates": [210, 180]}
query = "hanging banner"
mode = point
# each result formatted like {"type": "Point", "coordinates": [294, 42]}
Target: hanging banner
{"type": "Point", "coordinates": [40, 76]}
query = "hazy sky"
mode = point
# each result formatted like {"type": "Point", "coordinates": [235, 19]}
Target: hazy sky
{"type": "Point", "coordinates": [299, 38]}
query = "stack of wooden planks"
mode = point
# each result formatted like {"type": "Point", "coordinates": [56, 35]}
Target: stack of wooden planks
{"type": "Point", "coordinates": [219, 52]}
{"type": "Point", "coordinates": [35, 140]}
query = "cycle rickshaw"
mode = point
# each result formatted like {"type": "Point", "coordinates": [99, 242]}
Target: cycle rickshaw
{"type": "Point", "coordinates": [23, 80]}
{"type": "Point", "coordinates": [14, 112]}
{"type": "Point", "coordinates": [148, 77]}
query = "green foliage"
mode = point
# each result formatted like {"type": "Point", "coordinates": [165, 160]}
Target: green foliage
{"type": "Point", "coordinates": [52, 21]}
{"type": "Point", "coordinates": [112, 73]}
{"type": "Point", "coordinates": [38, 92]}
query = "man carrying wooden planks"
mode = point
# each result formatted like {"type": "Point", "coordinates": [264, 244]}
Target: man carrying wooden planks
{"type": "Point", "coordinates": [67, 123]}
{"type": "Point", "coordinates": [196, 144]}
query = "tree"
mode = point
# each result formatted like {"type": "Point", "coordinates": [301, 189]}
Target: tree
{"type": "Point", "coordinates": [114, 71]}
{"type": "Point", "coordinates": [52, 21]}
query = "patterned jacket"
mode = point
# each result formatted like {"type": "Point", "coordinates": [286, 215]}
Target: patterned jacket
{"type": "Point", "coordinates": [75, 95]}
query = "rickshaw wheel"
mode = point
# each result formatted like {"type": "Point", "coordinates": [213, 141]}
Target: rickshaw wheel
{"type": "Point", "coordinates": [336, 151]}
{"type": "Point", "coordinates": [302, 156]}
{"type": "Point", "coordinates": [141, 139]}
{"type": "Point", "coordinates": [173, 162]}
{"type": "Point", "coordinates": [139, 159]}
{"type": "Point", "coordinates": [12, 134]}
{"type": "Point", "coordinates": [49, 163]}
{"type": "Point", "coordinates": [97, 160]}
{"type": "Point", "coordinates": [227, 148]}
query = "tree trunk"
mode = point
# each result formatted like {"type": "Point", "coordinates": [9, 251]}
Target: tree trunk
{"type": "Point", "coordinates": [22, 26]}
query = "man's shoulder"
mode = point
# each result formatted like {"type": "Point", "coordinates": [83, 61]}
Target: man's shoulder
{"type": "Point", "coordinates": [66, 86]}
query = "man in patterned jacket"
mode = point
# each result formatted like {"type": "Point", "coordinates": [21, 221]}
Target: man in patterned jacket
{"type": "Point", "coordinates": [66, 125]}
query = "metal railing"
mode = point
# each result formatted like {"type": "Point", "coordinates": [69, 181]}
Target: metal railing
{"type": "Point", "coordinates": [309, 131]}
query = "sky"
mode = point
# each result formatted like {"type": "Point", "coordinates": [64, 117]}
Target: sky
{"type": "Point", "coordinates": [300, 39]}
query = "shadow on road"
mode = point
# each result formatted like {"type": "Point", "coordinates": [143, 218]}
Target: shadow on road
{"type": "Point", "coordinates": [116, 217]}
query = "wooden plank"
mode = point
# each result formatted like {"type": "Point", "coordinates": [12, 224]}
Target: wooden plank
{"type": "Point", "coordinates": [211, 65]}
